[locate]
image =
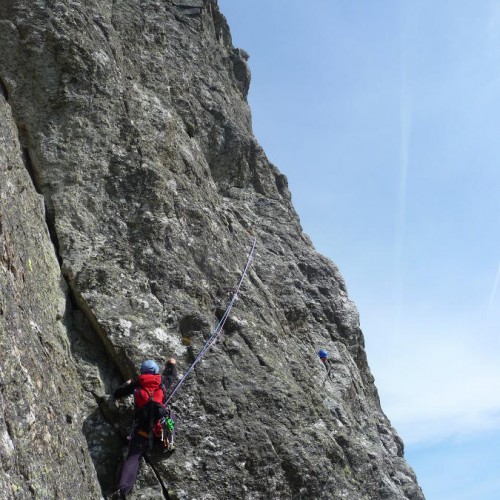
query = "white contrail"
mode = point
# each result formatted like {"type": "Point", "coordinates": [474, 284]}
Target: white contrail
{"type": "Point", "coordinates": [402, 202]}
{"type": "Point", "coordinates": [406, 119]}
{"type": "Point", "coordinates": [493, 294]}
{"type": "Point", "coordinates": [494, 21]}
{"type": "Point", "coordinates": [404, 159]}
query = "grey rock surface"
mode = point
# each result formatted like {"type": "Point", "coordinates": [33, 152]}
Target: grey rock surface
{"type": "Point", "coordinates": [130, 121]}
{"type": "Point", "coordinates": [43, 453]}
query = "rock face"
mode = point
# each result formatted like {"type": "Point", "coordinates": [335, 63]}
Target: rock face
{"type": "Point", "coordinates": [130, 186]}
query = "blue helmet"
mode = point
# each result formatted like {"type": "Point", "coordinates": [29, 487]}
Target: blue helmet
{"type": "Point", "coordinates": [150, 366]}
{"type": "Point", "coordinates": [323, 353]}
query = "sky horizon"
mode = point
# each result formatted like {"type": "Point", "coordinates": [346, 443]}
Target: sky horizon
{"type": "Point", "coordinates": [392, 109]}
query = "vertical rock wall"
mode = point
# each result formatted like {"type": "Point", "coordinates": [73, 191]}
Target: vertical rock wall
{"type": "Point", "coordinates": [43, 453]}
{"type": "Point", "coordinates": [133, 124]}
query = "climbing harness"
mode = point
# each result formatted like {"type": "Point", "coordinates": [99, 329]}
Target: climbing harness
{"type": "Point", "coordinates": [218, 327]}
{"type": "Point", "coordinates": [163, 431]}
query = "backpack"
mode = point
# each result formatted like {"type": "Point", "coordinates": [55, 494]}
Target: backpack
{"type": "Point", "coordinates": [149, 408]}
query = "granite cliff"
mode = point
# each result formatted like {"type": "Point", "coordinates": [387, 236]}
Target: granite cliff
{"type": "Point", "coordinates": [130, 186]}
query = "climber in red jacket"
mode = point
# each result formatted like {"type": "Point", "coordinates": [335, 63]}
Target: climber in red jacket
{"type": "Point", "coordinates": [150, 393]}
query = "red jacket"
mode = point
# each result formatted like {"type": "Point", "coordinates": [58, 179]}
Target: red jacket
{"type": "Point", "coordinates": [149, 385]}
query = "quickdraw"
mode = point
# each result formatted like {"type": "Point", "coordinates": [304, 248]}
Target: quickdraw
{"type": "Point", "coordinates": [167, 433]}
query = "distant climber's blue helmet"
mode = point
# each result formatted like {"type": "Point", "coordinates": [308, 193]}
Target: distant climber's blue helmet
{"type": "Point", "coordinates": [323, 353]}
{"type": "Point", "coordinates": [150, 366]}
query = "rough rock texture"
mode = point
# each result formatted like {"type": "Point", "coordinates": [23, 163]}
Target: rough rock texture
{"type": "Point", "coordinates": [131, 119]}
{"type": "Point", "coordinates": [43, 453]}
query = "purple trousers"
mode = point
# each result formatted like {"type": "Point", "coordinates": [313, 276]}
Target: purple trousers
{"type": "Point", "coordinates": [137, 447]}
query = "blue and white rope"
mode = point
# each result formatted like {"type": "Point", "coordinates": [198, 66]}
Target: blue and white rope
{"type": "Point", "coordinates": [218, 327]}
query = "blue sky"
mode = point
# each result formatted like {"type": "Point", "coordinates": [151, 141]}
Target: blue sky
{"type": "Point", "coordinates": [385, 117]}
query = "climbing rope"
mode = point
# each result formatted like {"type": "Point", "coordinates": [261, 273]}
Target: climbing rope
{"type": "Point", "coordinates": [219, 326]}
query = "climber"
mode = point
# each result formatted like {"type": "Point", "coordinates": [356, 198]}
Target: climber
{"type": "Point", "coordinates": [150, 392]}
{"type": "Point", "coordinates": [323, 356]}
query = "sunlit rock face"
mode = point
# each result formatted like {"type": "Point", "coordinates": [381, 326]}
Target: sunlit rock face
{"type": "Point", "coordinates": [131, 189]}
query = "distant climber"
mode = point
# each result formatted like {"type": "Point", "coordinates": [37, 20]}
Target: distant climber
{"type": "Point", "coordinates": [150, 392]}
{"type": "Point", "coordinates": [323, 356]}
